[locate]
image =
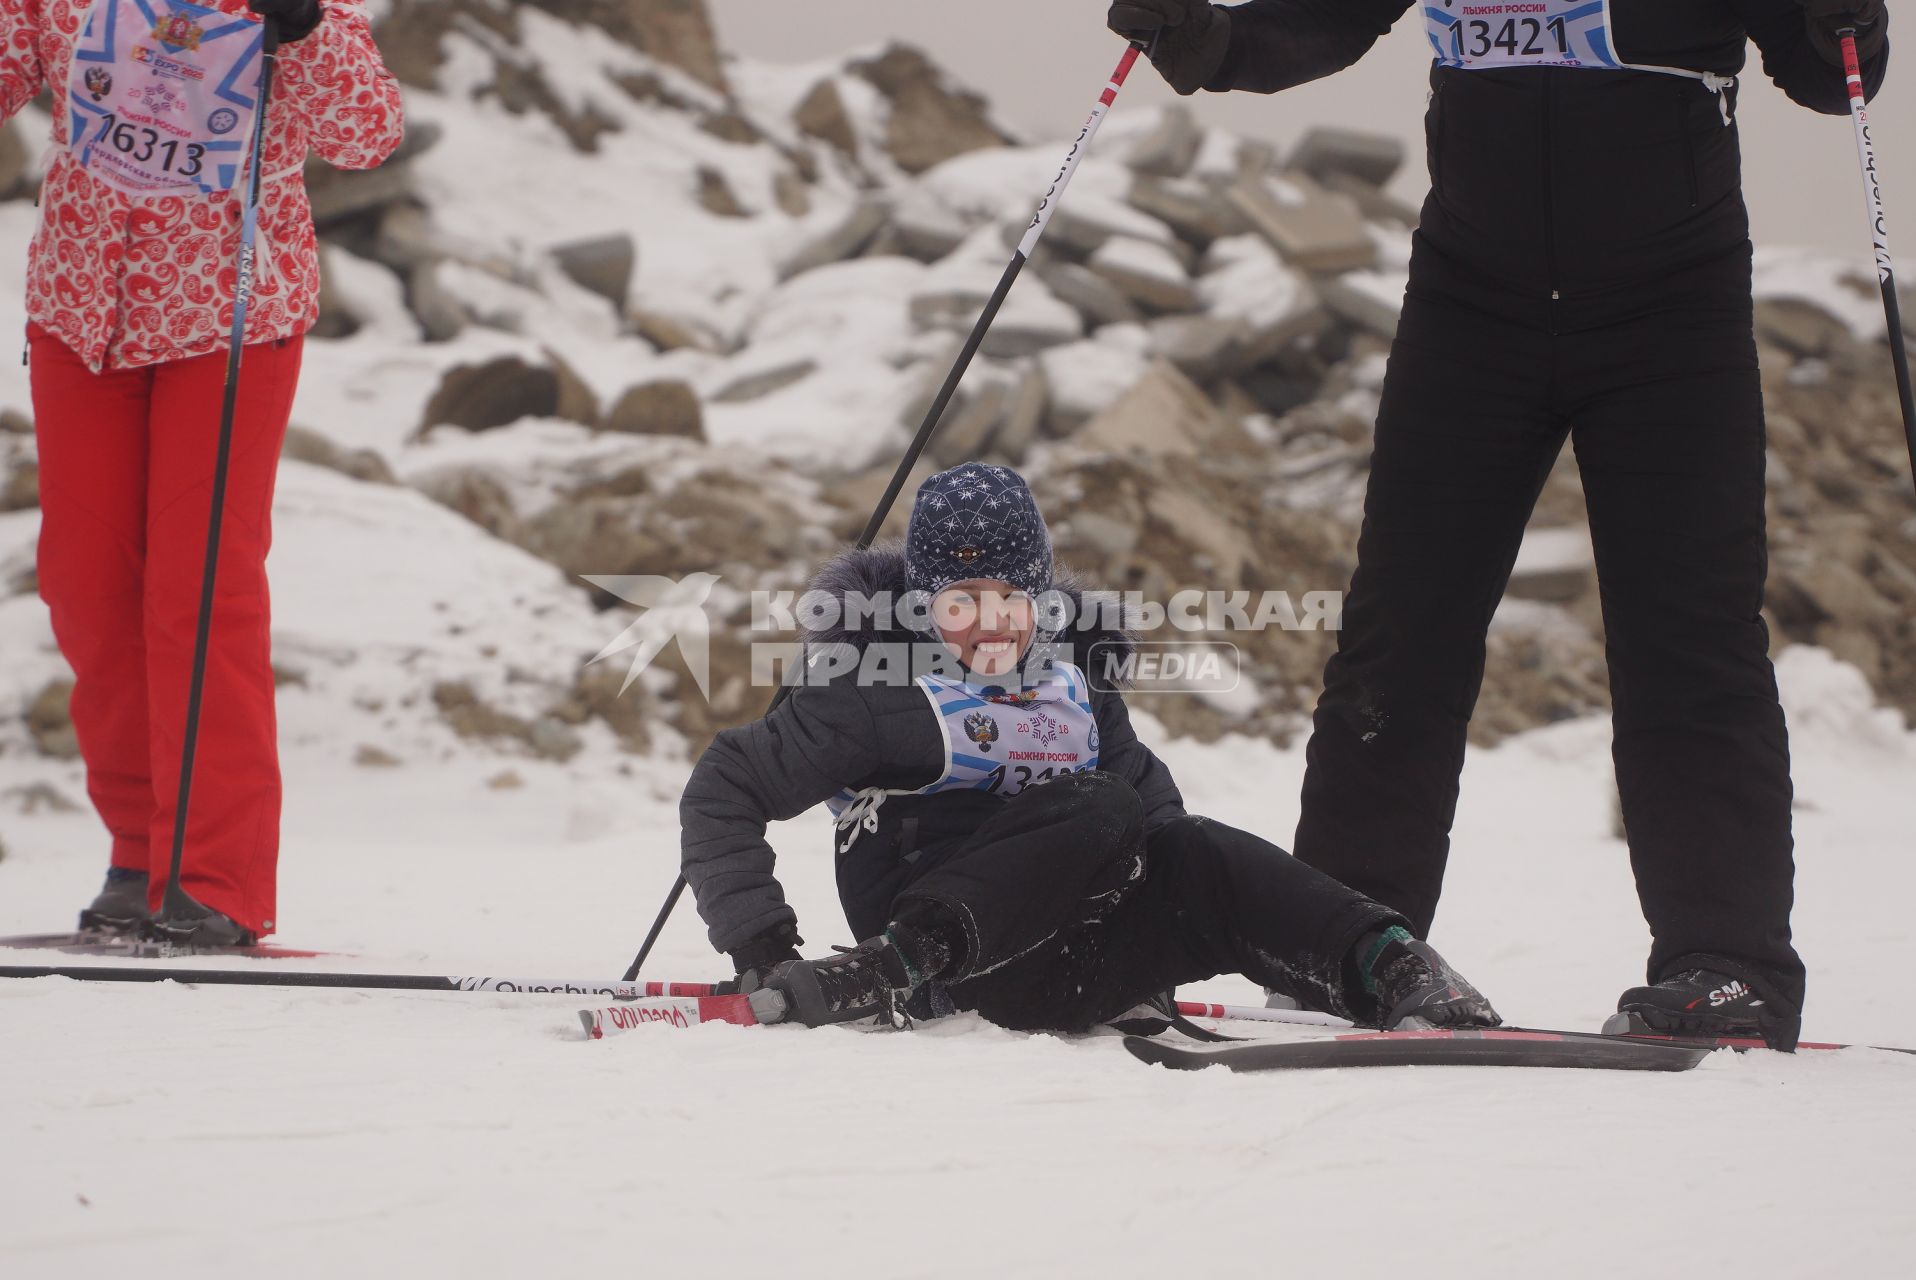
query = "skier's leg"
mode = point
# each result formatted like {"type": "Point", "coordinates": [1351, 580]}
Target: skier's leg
{"type": "Point", "coordinates": [232, 845]}
{"type": "Point", "coordinates": [1464, 443]}
{"type": "Point", "coordinates": [1219, 900]}
{"type": "Point", "coordinates": [1056, 856]}
{"type": "Point", "coordinates": [1048, 860]}
{"type": "Point", "coordinates": [1671, 444]}
{"type": "Point", "coordinates": [92, 438]}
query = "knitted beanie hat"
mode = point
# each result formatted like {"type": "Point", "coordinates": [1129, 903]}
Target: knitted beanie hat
{"type": "Point", "coordinates": [977, 521]}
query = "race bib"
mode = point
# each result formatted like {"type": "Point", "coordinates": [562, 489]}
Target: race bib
{"type": "Point", "coordinates": [1478, 36]}
{"type": "Point", "coordinates": [997, 745]}
{"type": "Point", "coordinates": [1004, 744]}
{"type": "Point", "coordinates": [162, 96]}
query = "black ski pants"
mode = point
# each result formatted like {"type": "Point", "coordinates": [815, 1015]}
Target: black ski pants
{"type": "Point", "coordinates": [1073, 914]}
{"type": "Point", "coordinates": [1663, 405]}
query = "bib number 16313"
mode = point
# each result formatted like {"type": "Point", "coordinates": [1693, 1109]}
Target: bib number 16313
{"type": "Point", "coordinates": [145, 146]}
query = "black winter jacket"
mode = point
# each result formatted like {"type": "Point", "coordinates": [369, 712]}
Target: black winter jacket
{"type": "Point", "coordinates": [1276, 44]}
{"type": "Point", "coordinates": [828, 737]}
{"type": "Point", "coordinates": [1571, 198]}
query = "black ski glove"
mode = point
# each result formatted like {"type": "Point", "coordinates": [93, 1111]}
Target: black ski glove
{"type": "Point", "coordinates": [758, 957]}
{"type": "Point", "coordinates": [297, 18]}
{"type": "Point", "coordinates": [1187, 38]}
{"type": "Point", "coordinates": [1828, 17]}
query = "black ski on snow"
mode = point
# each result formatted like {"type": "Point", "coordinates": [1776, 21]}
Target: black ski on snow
{"type": "Point", "coordinates": [1429, 1049]}
{"type": "Point", "coordinates": [131, 948]}
{"type": "Point", "coordinates": [1635, 1028]}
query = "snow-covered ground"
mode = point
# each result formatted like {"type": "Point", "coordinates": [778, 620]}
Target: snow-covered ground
{"type": "Point", "coordinates": [173, 1132]}
{"type": "Point", "coordinates": [335, 1133]}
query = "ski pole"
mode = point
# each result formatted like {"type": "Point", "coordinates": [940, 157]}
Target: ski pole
{"type": "Point", "coordinates": [936, 413]}
{"type": "Point", "coordinates": [277, 977]}
{"type": "Point", "coordinates": [1879, 233]}
{"type": "Point", "coordinates": [1250, 1013]}
{"type": "Point", "coordinates": [176, 901]}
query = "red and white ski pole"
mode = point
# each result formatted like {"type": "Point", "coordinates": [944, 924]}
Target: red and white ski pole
{"type": "Point", "coordinates": [679, 1012]}
{"type": "Point", "coordinates": [1879, 233]}
{"type": "Point", "coordinates": [690, 1004]}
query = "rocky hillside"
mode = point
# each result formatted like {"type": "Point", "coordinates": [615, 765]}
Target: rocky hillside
{"type": "Point", "coordinates": [638, 308]}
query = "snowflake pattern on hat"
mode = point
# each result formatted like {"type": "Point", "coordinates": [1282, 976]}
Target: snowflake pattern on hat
{"type": "Point", "coordinates": [977, 521]}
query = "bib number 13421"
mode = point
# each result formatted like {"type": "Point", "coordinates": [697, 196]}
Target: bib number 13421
{"type": "Point", "coordinates": [1521, 33]}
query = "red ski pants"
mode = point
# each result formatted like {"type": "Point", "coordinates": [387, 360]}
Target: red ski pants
{"type": "Point", "coordinates": [126, 482]}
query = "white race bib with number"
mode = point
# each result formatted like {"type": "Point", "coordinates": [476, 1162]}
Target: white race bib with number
{"type": "Point", "coordinates": [1478, 36]}
{"type": "Point", "coordinates": [162, 96]}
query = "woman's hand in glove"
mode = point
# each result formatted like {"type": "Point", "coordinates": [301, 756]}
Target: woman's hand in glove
{"type": "Point", "coordinates": [1828, 18]}
{"type": "Point", "coordinates": [1187, 38]}
{"type": "Point", "coordinates": [297, 18]}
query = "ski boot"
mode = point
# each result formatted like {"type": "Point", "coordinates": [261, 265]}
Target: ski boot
{"type": "Point", "coordinates": [192, 925]}
{"type": "Point", "coordinates": [1707, 1004]}
{"type": "Point", "coordinates": [1415, 988]}
{"type": "Point", "coordinates": [120, 907]}
{"type": "Point", "coordinates": [870, 980]}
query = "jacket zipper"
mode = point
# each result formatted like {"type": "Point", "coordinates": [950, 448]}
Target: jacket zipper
{"type": "Point", "coordinates": [1549, 205]}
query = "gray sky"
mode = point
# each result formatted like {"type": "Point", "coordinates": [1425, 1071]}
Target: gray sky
{"type": "Point", "coordinates": [1042, 63]}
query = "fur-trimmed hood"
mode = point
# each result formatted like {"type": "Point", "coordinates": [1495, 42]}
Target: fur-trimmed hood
{"type": "Point", "coordinates": [880, 571]}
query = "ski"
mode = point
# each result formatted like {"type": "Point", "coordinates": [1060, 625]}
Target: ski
{"type": "Point", "coordinates": [277, 977]}
{"type": "Point", "coordinates": [1429, 1048]}
{"type": "Point", "coordinates": [636, 991]}
{"type": "Point", "coordinates": [85, 943]}
{"type": "Point", "coordinates": [1632, 1027]}
{"type": "Point", "coordinates": [1637, 1030]}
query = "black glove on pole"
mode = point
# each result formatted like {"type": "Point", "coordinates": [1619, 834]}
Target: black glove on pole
{"type": "Point", "coordinates": [938, 406]}
{"type": "Point", "coordinates": [296, 19]}
{"type": "Point", "coordinates": [1186, 39]}
{"type": "Point", "coordinates": [1879, 233]}
{"type": "Point", "coordinates": [1827, 20]}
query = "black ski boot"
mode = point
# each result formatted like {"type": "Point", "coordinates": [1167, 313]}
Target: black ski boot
{"type": "Point", "coordinates": [190, 924]}
{"type": "Point", "coordinates": [1415, 988]}
{"type": "Point", "coordinates": [120, 907]}
{"type": "Point", "coordinates": [869, 980]}
{"type": "Point", "coordinates": [1707, 1004]}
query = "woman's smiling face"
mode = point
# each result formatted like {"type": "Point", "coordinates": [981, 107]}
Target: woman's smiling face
{"type": "Point", "coordinates": [988, 623]}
